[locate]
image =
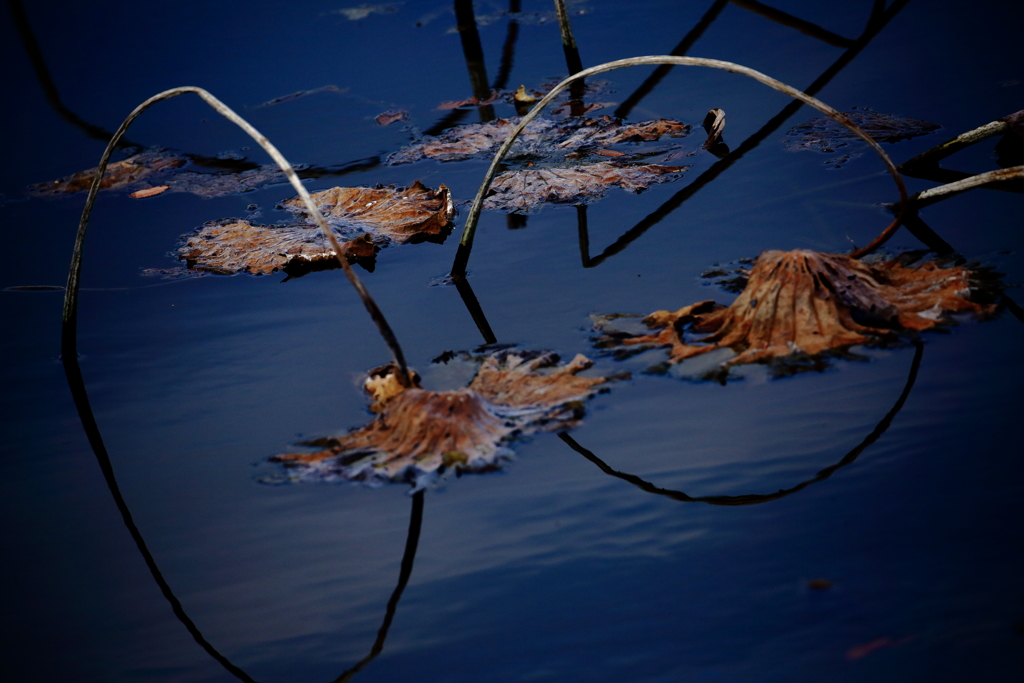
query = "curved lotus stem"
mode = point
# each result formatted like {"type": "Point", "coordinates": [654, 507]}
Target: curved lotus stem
{"type": "Point", "coordinates": [466, 243]}
{"type": "Point", "coordinates": [69, 336]}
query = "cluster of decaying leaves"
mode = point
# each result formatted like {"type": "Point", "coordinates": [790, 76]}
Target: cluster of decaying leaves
{"type": "Point", "coordinates": [365, 218]}
{"type": "Point", "coordinates": [419, 434]}
{"type": "Point", "coordinates": [154, 172]}
{"type": "Point", "coordinates": [803, 303]}
{"type": "Point", "coordinates": [552, 158]}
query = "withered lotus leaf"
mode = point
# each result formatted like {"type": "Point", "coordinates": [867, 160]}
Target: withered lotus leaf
{"type": "Point", "coordinates": [418, 434]}
{"type": "Point", "coordinates": [124, 174]}
{"type": "Point", "coordinates": [396, 214]}
{"type": "Point", "coordinates": [542, 137]}
{"type": "Point", "coordinates": [825, 134]}
{"type": "Point", "coordinates": [142, 175]}
{"type": "Point", "coordinates": [806, 302]}
{"type": "Point", "coordinates": [525, 190]}
{"type": "Point", "coordinates": [238, 246]}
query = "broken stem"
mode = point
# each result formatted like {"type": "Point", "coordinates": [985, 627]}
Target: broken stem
{"type": "Point", "coordinates": [70, 315]}
{"type": "Point", "coordinates": [572, 53]}
{"type": "Point", "coordinates": [934, 194]}
{"type": "Point", "coordinates": [469, 232]}
{"type": "Point", "coordinates": [940, 152]}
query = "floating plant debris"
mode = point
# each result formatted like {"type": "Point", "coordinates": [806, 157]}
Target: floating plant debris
{"type": "Point", "coordinates": [394, 214]}
{"type": "Point", "coordinates": [526, 190]}
{"type": "Point", "coordinates": [803, 303]}
{"type": "Point", "coordinates": [130, 173]}
{"type": "Point", "coordinates": [419, 434]}
{"type": "Point", "coordinates": [826, 135]}
{"type": "Point", "coordinates": [364, 218]}
{"type": "Point", "coordinates": [542, 138]}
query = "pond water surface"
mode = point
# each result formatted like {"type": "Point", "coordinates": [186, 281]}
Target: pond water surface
{"type": "Point", "coordinates": [905, 564]}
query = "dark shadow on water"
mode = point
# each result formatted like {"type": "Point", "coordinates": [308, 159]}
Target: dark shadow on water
{"type": "Point", "coordinates": [78, 391]}
{"type": "Point", "coordinates": [756, 498]}
{"type": "Point", "coordinates": [880, 17]}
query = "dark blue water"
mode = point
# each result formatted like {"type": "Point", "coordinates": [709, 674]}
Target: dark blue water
{"type": "Point", "coordinates": [550, 570]}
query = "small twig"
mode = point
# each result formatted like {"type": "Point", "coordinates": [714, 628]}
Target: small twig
{"type": "Point", "coordinates": [935, 194]}
{"type": "Point", "coordinates": [940, 152]}
{"type": "Point", "coordinates": [469, 232]}
{"type": "Point", "coordinates": [70, 315]}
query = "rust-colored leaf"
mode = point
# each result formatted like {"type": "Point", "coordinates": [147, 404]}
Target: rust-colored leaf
{"type": "Point", "coordinates": [238, 246]}
{"type": "Point", "coordinates": [390, 116]}
{"type": "Point", "coordinates": [804, 302]}
{"type": "Point", "coordinates": [418, 434]}
{"type": "Point", "coordinates": [825, 135]}
{"type": "Point", "coordinates": [149, 192]}
{"type": "Point", "coordinates": [142, 174]}
{"type": "Point", "coordinates": [124, 174]}
{"type": "Point", "coordinates": [395, 214]}
{"type": "Point", "coordinates": [543, 137]}
{"type": "Point", "coordinates": [526, 190]}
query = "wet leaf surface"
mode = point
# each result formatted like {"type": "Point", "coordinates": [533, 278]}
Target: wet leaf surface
{"type": "Point", "coordinates": [393, 214]}
{"type": "Point", "coordinates": [541, 138]}
{"type": "Point", "coordinates": [391, 116]}
{"type": "Point", "coordinates": [364, 219]}
{"type": "Point", "coordinates": [802, 303]}
{"type": "Point", "coordinates": [142, 175]}
{"type": "Point", "coordinates": [419, 434]}
{"type": "Point", "coordinates": [825, 135]}
{"type": "Point", "coordinates": [238, 246]}
{"type": "Point", "coordinates": [526, 190]}
{"type": "Point", "coordinates": [130, 173]}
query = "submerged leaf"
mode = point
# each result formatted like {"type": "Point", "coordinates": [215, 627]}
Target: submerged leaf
{"type": "Point", "coordinates": [142, 175]}
{"type": "Point", "coordinates": [802, 303]}
{"type": "Point", "coordinates": [418, 434]}
{"type": "Point", "coordinates": [125, 174]}
{"type": "Point", "coordinates": [238, 246]}
{"type": "Point", "coordinates": [396, 214]}
{"type": "Point", "coordinates": [525, 190]}
{"type": "Point", "coordinates": [825, 134]}
{"type": "Point", "coordinates": [542, 137]}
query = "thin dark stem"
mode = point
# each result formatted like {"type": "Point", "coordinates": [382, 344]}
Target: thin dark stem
{"type": "Point", "coordinates": [469, 231]}
{"type": "Point", "coordinates": [408, 557]}
{"type": "Point", "coordinates": [69, 339]}
{"type": "Point", "coordinates": [805, 27]}
{"type": "Point", "coordinates": [473, 51]}
{"type": "Point", "coordinates": [878, 21]}
{"type": "Point", "coordinates": [758, 498]}
{"type": "Point", "coordinates": [477, 313]}
{"type": "Point", "coordinates": [92, 432]}
{"type": "Point", "coordinates": [584, 234]}
{"type": "Point", "coordinates": [623, 110]}
{"type": "Point", "coordinates": [35, 55]}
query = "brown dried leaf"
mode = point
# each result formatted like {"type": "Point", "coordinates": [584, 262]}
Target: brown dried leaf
{"type": "Point", "coordinates": [122, 174]}
{"type": "Point", "coordinates": [397, 214]}
{"type": "Point", "coordinates": [418, 434]}
{"type": "Point", "coordinates": [238, 246]}
{"type": "Point", "coordinates": [542, 137]}
{"type": "Point", "coordinates": [390, 116]}
{"type": "Point", "coordinates": [522, 96]}
{"type": "Point", "coordinates": [805, 302]}
{"type": "Point", "coordinates": [149, 192]}
{"type": "Point", "coordinates": [825, 134]}
{"type": "Point", "coordinates": [526, 190]}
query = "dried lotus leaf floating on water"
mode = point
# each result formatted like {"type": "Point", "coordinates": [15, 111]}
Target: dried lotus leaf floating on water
{"type": "Point", "coordinates": [130, 173]}
{"type": "Point", "coordinates": [803, 303]}
{"type": "Point", "coordinates": [364, 219]}
{"type": "Point", "coordinates": [526, 190]}
{"type": "Point", "coordinates": [419, 434]}
{"type": "Point", "coordinates": [395, 214]}
{"type": "Point", "coordinates": [234, 245]}
{"type": "Point", "coordinates": [826, 134]}
{"type": "Point", "coordinates": [542, 137]}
